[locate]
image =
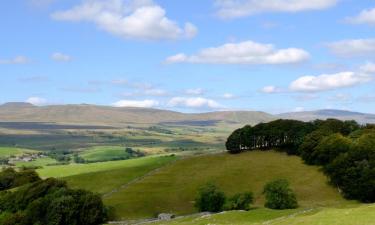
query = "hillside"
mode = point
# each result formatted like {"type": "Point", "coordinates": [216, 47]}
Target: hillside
{"type": "Point", "coordinates": [325, 114]}
{"type": "Point", "coordinates": [350, 215]}
{"type": "Point", "coordinates": [93, 114]}
{"type": "Point", "coordinates": [173, 188]}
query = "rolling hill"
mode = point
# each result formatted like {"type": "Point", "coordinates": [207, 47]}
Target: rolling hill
{"type": "Point", "coordinates": [329, 113]}
{"type": "Point", "coordinates": [93, 114]}
{"type": "Point", "coordinates": [115, 116]}
{"type": "Point", "coordinates": [173, 187]}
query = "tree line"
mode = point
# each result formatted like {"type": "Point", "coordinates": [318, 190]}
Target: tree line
{"type": "Point", "coordinates": [47, 202]}
{"type": "Point", "coordinates": [345, 149]}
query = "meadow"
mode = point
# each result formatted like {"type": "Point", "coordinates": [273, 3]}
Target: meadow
{"type": "Point", "coordinates": [350, 215]}
{"type": "Point", "coordinates": [173, 188]}
{"type": "Point", "coordinates": [12, 151]}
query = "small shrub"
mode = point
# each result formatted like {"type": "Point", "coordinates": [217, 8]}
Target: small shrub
{"type": "Point", "coordinates": [279, 195]}
{"type": "Point", "coordinates": [210, 199]}
{"type": "Point", "coordinates": [240, 201]}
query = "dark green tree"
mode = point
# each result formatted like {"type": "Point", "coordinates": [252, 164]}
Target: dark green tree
{"type": "Point", "coordinates": [210, 199]}
{"type": "Point", "coordinates": [279, 195]}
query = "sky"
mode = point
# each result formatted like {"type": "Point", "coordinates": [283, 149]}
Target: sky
{"type": "Point", "coordinates": [190, 56]}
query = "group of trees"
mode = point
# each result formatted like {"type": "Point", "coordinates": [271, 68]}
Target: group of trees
{"type": "Point", "coordinates": [277, 193]}
{"type": "Point", "coordinates": [9, 178]}
{"type": "Point", "coordinates": [51, 202]}
{"type": "Point", "coordinates": [345, 149]}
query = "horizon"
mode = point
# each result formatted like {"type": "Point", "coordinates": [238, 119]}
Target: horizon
{"type": "Point", "coordinates": [146, 108]}
{"type": "Point", "coordinates": [270, 58]}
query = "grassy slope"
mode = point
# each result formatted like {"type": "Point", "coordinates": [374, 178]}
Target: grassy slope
{"type": "Point", "coordinates": [104, 182]}
{"type": "Point", "coordinates": [174, 188]}
{"type": "Point", "coordinates": [76, 169]}
{"type": "Point", "coordinates": [105, 153]}
{"type": "Point", "coordinates": [10, 151]}
{"type": "Point", "coordinates": [354, 215]}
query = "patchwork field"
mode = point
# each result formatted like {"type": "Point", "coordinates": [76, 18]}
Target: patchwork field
{"type": "Point", "coordinates": [173, 188]}
{"type": "Point", "coordinates": [11, 151]}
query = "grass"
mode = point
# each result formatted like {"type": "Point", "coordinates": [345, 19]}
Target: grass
{"type": "Point", "coordinates": [104, 153]}
{"type": "Point", "coordinates": [354, 215]}
{"type": "Point", "coordinates": [6, 152]}
{"type": "Point", "coordinates": [173, 188]}
{"type": "Point", "coordinates": [105, 181]}
{"type": "Point", "coordinates": [41, 162]}
{"type": "Point", "coordinates": [76, 169]}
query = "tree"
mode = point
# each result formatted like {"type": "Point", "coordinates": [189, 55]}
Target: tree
{"type": "Point", "coordinates": [310, 142]}
{"type": "Point", "coordinates": [354, 171]}
{"type": "Point", "coordinates": [210, 199]}
{"type": "Point", "coordinates": [233, 143]}
{"type": "Point", "coordinates": [329, 148]}
{"type": "Point", "coordinates": [240, 201]}
{"type": "Point", "coordinates": [279, 195]}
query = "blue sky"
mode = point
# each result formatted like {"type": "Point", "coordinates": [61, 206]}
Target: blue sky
{"type": "Point", "coordinates": [271, 55]}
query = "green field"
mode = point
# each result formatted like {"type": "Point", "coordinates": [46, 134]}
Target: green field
{"type": "Point", "coordinates": [104, 153]}
{"type": "Point", "coordinates": [353, 215]}
{"type": "Point", "coordinates": [37, 163]}
{"type": "Point", "coordinates": [173, 188]}
{"type": "Point", "coordinates": [11, 151]}
{"type": "Point", "coordinates": [110, 179]}
{"type": "Point", "coordinates": [76, 169]}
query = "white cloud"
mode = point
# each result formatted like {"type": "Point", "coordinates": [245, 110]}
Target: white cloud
{"type": "Point", "coordinates": [327, 82]}
{"type": "Point", "coordinates": [367, 16]}
{"type": "Point", "coordinates": [228, 96]}
{"type": "Point", "coordinates": [130, 19]}
{"type": "Point", "coordinates": [270, 89]}
{"type": "Point", "coordinates": [60, 57]}
{"type": "Point", "coordinates": [15, 60]}
{"type": "Point", "coordinates": [354, 47]}
{"type": "Point", "coordinates": [299, 109]}
{"type": "Point", "coordinates": [369, 67]}
{"type": "Point", "coordinates": [240, 8]}
{"type": "Point", "coordinates": [194, 91]}
{"type": "Point", "coordinates": [37, 101]}
{"type": "Point", "coordinates": [193, 103]}
{"type": "Point", "coordinates": [247, 52]}
{"type": "Point", "coordinates": [138, 104]}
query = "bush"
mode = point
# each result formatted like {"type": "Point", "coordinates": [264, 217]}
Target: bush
{"type": "Point", "coordinates": [51, 202]}
{"type": "Point", "coordinates": [9, 178]}
{"type": "Point", "coordinates": [210, 199]}
{"type": "Point", "coordinates": [279, 195]}
{"type": "Point", "coordinates": [240, 201]}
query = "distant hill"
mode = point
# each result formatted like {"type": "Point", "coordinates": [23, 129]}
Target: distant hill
{"type": "Point", "coordinates": [329, 113]}
{"type": "Point", "coordinates": [93, 114]}
{"type": "Point", "coordinates": [106, 115]}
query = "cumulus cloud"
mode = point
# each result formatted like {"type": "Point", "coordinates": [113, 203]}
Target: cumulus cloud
{"type": "Point", "coordinates": [354, 47]}
{"type": "Point", "coordinates": [248, 52]}
{"type": "Point", "coordinates": [271, 89]}
{"type": "Point", "coordinates": [228, 96]}
{"type": "Point", "coordinates": [60, 57]}
{"type": "Point", "coordinates": [367, 16]}
{"type": "Point", "coordinates": [228, 9]}
{"type": "Point", "coordinates": [369, 67]}
{"type": "Point", "coordinates": [15, 60]}
{"type": "Point", "coordinates": [194, 91]}
{"type": "Point", "coordinates": [130, 19]}
{"type": "Point", "coordinates": [193, 103]}
{"type": "Point", "coordinates": [37, 101]}
{"type": "Point", "coordinates": [327, 82]}
{"type": "Point", "coordinates": [137, 104]}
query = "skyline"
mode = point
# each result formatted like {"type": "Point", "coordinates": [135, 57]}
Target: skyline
{"type": "Point", "coordinates": [273, 56]}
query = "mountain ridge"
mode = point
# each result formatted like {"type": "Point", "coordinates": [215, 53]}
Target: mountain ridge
{"type": "Point", "coordinates": [99, 114]}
